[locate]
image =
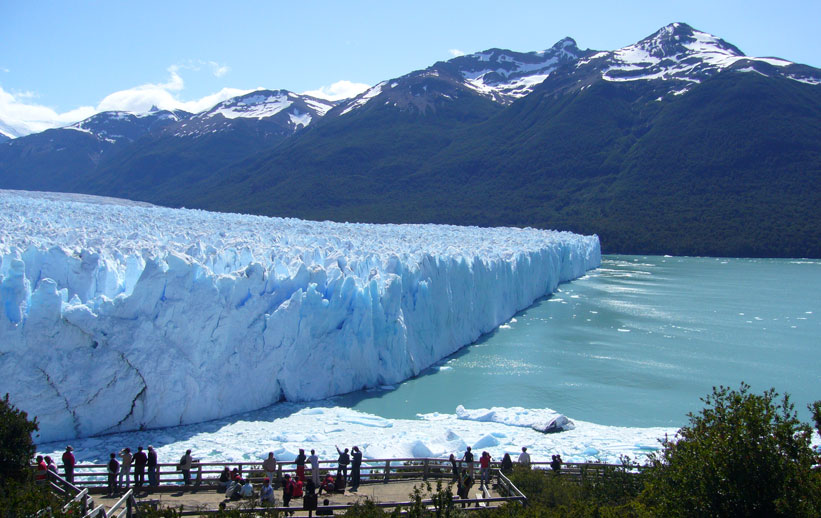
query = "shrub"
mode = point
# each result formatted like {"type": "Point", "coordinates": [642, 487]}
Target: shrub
{"type": "Point", "coordinates": [742, 455]}
{"type": "Point", "coordinates": [16, 447]}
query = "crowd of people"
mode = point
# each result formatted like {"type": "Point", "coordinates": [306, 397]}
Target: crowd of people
{"type": "Point", "coordinates": [298, 486]}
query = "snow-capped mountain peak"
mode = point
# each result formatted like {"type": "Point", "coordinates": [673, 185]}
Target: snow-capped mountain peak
{"type": "Point", "coordinates": [506, 76]}
{"type": "Point", "coordinates": [282, 109]}
{"type": "Point", "coordinates": [114, 126]}
{"type": "Point", "coordinates": [679, 52]}
{"type": "Point", "coordinates": [498, 74]}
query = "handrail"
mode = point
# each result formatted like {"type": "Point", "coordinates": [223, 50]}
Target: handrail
{"type": "Point", "coordinates": [81, 496]}
{"type": "Point", "coordinates": [122, 501]}
{"type": "Point", "coordinates": [86, 475]}
{"type": "Point", "coordinates": [96, 512]}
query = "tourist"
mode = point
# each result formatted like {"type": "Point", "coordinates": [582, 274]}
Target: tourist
{"type": "Point", "coordinates": [309, 501]}
{"type": "Point", "coordinates": [224, 480]}
{"type": "Point", "coordinates": [465, 483]}
{"type": "Point", "coordinates": [140, 460]}
{"type": "Point", "coordinates": [300, 465]}
{"type": "Point", "coordinates": [556, 463]}
{"type": "Point", "coordinates": [454, 467]}
{"type": "Point", "coordinates": [266, 494]}
{"type": "Point", "coordinates": [234, 489]}
{"type": "Point", "coordinates": [269, 466]}
{"type": "Point", "coordinates": [484, 465]}
{"type": "Point", "coordinates": [125, 468]}
{"type": "Point", "coordinates": [356, 465]}
{"type": "Point", "coordinates": [314, 460]}
{"type": "Point", "coordinates": [507, 464]}
{"type": "Point", "coordinates": [524, 458]}
{"type": "Point", "coordinates": [297, 493]}
{"type": "Point", "coordinates": [42, 470]}
{"type": "Point", "coordinates": [342, 466]}
{"type": "Point", "coordinates": [153, 479]}
{"type": "Point", "coordinates": [68, 464]}
{"type": "Point", "coordinates": [328, 484]}
{"type": "Point", "coordinates": [50, 464]}
{"type": "Point", "coordinates": [247, 490]}
{"type": "Point", "coordinates": [468, 458]}
{"type": "Point", "coordinates": [325, 512]}
{"type": "Point", "coordinates": [113, 469]}
{"type": "Point", "coordinates": [185, 466]}
{"type": "Point", "coordinates": [287, 491]}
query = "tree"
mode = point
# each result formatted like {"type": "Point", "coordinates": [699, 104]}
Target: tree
{"type": "Point", "coordinates": [815, 408]}
{"type": "Point", "coordinates": [16, 447]}
{"type": "Point", "coordinates": [742, 455]}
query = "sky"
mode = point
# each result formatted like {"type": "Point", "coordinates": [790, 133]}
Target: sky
{"type": "Point", "coordinates": [63, 61]}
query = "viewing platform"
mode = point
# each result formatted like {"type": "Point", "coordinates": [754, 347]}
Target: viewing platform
{"type": "Point", "coordinates": [388, 483]}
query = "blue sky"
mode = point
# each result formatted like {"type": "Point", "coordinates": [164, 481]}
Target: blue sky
{"type": "Point", "coordinates": [63, 61]}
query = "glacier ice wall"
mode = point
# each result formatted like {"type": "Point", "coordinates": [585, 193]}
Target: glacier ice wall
{"type": "Point", "coordinates": [117, 317]}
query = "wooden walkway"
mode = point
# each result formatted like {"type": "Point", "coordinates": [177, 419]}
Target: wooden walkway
{"type": "Point", "coordinates": [386, 482]}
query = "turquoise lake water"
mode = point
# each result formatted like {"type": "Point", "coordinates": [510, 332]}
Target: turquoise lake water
{"type": "Point", "coordinates": [636, 342]}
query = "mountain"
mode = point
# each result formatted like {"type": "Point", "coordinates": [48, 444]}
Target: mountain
{"type": "Point", "coordinates": [162, 166]}
{"type": "Point", "coordinates": [55, 159]}
{"type": "Point", "coordinates": [678, 143]}
{"type": "Point", "coordinates": [123, 154]}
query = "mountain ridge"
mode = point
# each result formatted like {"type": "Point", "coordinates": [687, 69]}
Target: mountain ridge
{"type": "Point", "coordinates": [553, 139]}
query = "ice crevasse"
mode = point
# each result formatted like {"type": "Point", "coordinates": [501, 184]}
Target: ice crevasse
{"type": "Point", "coordinates": [117, 316]}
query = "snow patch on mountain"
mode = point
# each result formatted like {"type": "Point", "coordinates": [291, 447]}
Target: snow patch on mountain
{"type": "Point", "coordinates": [505, 76]}
{"type": "Point", "coordinates": [255, 106]}
{"type": "Point", "coordinates": [363, 98]}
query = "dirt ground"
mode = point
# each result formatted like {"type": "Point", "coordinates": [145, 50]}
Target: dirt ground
{"type": "Point", "coordinates": [208, 498]}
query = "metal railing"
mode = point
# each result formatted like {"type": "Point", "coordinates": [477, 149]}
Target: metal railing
{"type": "Point", "coordinates": [95, 476]}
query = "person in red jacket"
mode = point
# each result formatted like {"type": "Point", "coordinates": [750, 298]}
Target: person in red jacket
{"type": "Point", "coordinates": [42, 470]}
{"type": "Point", "coordinates": [297, 488]}
{"type": "Point", "coordinates": [484, 463]}
{"type": "Point", "coordinates": [68, 464]}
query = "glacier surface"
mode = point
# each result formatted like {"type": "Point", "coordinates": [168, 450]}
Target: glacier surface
{"type": "Point", "coordinates": [116, 316]}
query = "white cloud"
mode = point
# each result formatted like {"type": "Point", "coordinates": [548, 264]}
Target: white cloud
{"type": "Point", "coordinates": [456, 52]}
{"type": "Point", "coordinates": [339, 90]}
{"type": "Point", "coordinates": [141, 98]}
{"type": "Point", "coordinates": [217, 69]}
{"type": "Point", "coordinates": [18, 117]}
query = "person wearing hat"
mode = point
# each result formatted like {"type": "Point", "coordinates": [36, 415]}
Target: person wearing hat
{"type": "Point", "coordinates": [68, 464]}
{"type": "Point", "coordinates": [152, 464]}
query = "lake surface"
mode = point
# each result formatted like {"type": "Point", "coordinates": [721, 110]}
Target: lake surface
{"type": "Point", "coordinates": [636, 343]}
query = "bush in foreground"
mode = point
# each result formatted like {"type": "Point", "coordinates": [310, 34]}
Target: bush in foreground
{"type": "Point", "coordinates": [742, 455]}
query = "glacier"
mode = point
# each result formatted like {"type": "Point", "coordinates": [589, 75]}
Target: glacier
{"type": "Point", "coordinates": [118, 316]}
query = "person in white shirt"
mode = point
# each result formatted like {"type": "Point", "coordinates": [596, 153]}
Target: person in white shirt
{"type": "Point", "coordinates": [247, 490]}
{"type": "Point", "coordinates": [314, 460]}
{"type": "Point", "coordinates": [524, 457]}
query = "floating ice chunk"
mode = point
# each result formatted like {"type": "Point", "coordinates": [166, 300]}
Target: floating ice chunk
{"type": "Point", "coordinates": [486, 442]}
{"type": "Point", "coordinates": [560, 423]}
{"type": "Point", "coordinates": [420, 450]}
